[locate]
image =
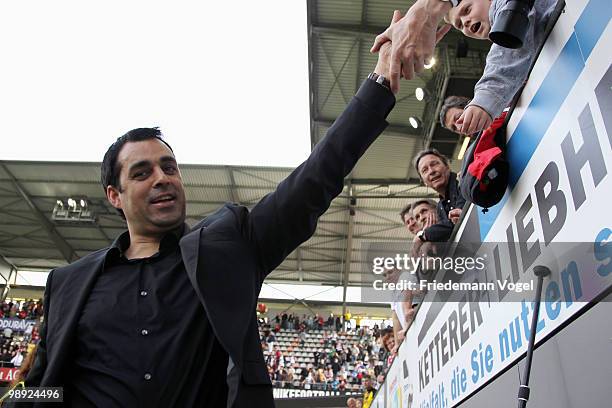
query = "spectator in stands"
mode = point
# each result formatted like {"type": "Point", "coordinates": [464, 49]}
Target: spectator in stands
{"type": "Point", "coordinates": [8, 333]}
{"type": "Point", "coordinates": [320, 378]}
{"type": "Point", "coordinates": [270, 339]}
{"type": "Point", "coordinates": [309, 322]}
{"type": "Point", "coordinates": [320, 322]}
{"type": "Point", "coordinates": [380, 379]}
{"type": "Point", "coordinates": [375, 331]}
{"type": "Point", "coordinates": [426, 216]}
{"type": "Point", "coordinates": [24, 369]}
{"type": "Point", "coordinates": [17, 358]}
{"type": "Point", "coordinates": [506, 69]}
{"type": "Point", "coordinates": [451, 111]}
{"type": "Point", "coordinates": [329, 373]}
{"type": "Point", "coordinates": [351, 403]}
{"type": "Point", "coordinates": [309, 379]}
{"type": "Point", "coordinates": [290, 376]}
{"type": "Point", "coordinates": [335, 365]}
{"type": "Point", "coordinates": [368, 393]}
{"type": "Point", "coordinates": [401, 306]}
{"type": "Point", "coordinates": [5, 356]}
{"type": "Point", "coordinates": [408, 219]}
{"type": "Point", "coordinates": [425, 213]}
{"type": "Point", "coordinates": [434, 170]}
{"type": "Point", "coordinates": [356, 354]}
{"type": "Point", "coordinates": [317, 356]}
{"type": "Point", "coordinates": [389, 343]}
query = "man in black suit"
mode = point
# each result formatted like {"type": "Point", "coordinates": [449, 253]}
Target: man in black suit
{"type": "Point", "coordinates": [166, 315]}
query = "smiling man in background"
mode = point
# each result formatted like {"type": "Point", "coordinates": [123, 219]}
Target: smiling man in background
{"type": "Point", "coordinates": [434, 170]}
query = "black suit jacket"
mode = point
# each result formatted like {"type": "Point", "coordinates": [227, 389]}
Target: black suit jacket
{"type": "Point", "coordinates": [228, 255]}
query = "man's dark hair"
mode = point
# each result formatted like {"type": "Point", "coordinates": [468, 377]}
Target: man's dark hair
{"type": "Point", "coordinates": [425, 152]}
{"type": "Point", "coordinates": [405, 211]}
{"type": "Point", "coordinates": [110, 169]}
{"type": "Point", "coordinates": [427, 201]}
{"type": "Point", "coordinates": [452, 102]}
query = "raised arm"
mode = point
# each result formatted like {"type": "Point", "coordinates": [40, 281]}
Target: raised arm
{"type": "Point", "coordinates": [505, 72]}
{"type": "Point", "coordinates": [287, 217]}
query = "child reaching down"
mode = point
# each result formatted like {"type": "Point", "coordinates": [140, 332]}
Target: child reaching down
{"type": "Point", "coordinates": [506, 69]}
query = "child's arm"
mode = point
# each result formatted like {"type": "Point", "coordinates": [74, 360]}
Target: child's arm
{"type": "Point", "coordinates": [505, 71]}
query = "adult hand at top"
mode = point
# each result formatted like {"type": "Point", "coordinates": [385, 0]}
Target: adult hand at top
{"type": "Point", "coordinates": [413, 38]}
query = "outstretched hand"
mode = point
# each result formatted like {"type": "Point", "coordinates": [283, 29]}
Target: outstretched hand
{"type": "Point", "coordinates": [454, 215]}
{"type": "Point", "coordinates": [430, 219]}
{"type": "Point", "coordinates": [413, 38]}
{"type": "Point", "coordinates": [473, 119]}
{"type": "Point", "coordinates": [384, 53]}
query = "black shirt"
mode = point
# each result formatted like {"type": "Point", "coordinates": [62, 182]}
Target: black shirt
{"type": "Point", "coordinates": [143, 339]}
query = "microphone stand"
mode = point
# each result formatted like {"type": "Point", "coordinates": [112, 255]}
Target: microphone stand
{"type": "Point", "coordinates": [523, 394]}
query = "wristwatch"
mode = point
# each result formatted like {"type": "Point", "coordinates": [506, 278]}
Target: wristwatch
{"type": "Point", "coordinates": [421, 235]}
{"type": "Point", "coordinates": [380, 79]}
{"type": "Point", "coordinates": [455, 3]}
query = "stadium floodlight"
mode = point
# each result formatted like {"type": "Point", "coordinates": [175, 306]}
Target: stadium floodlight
{"type": "Point", "coordinates": [464, 146]}
{"type": "Point", "coordinates": [77, 212]}
{"type": "Point", "coordinates": [414, 122]}
{"type": "Point", "coordinates": [431, 63]}
{"type": "Point", "coordinates": [419, 93]}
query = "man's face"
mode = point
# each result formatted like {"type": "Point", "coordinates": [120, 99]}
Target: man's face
{"type": "Point", "coordinates": [151, 194]}
{"type": "Point", "coordinates": [391, 275]}
{"type": "Point", "coordinates": [410, 223]}
{"type": "Point", "coordinates": [390, 343]}
{"type": "Point", "coordinates": [450, 119]}
{"type": "Point", "coordinates": [471, 17]}
{"type": "Point", "coordinates": [421, 212]}
{"type": "Point", "coordinates": [434, 173]}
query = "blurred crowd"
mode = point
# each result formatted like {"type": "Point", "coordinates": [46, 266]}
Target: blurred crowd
{"type": "Point", "coordinates": [25, 309]}
{"type": "Point", "coordinates": [313, 352]}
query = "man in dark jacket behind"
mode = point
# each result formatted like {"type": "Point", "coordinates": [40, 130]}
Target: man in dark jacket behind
{"type": "Point", "coordinates": [434, 170]}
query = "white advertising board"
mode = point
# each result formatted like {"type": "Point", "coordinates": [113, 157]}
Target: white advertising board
{"type": "Point", "coordinates": [560, 153]}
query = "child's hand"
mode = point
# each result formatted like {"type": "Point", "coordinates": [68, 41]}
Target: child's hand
{"type": "Point", "coordinates": [454, 215]}
{"type": "Point", "coordinates": [473, 119]}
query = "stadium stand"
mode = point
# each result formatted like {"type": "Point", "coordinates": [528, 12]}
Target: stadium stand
{"type": "Point", "coordinates": [19, 322]}
{"type": "Point", "coordinates": [316, 354]}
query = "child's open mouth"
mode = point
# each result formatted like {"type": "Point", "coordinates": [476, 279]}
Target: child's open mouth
{"type": "Point", "coordinates": [475, 27]}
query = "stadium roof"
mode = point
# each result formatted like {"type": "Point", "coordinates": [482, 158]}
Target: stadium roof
{"type": "Point", "coordinates": [339, 37]}
{"type": "Point", "coordinates": [30, 239]}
